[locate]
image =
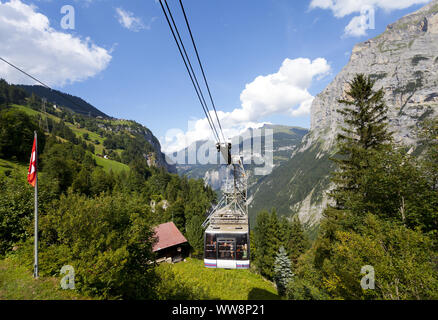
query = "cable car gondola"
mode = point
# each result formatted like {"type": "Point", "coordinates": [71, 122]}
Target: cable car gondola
{"type": "Point", "coordinates": [226, 239]}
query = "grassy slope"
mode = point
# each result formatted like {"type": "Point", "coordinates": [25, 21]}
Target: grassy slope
{"type": "Point", "coordinates": [17, 283]}
{"type": "Point", "coordinates": [93, 136]}
{"type": "Point", "coordinates": [107, 164]}
{"type": "Point", "coordinates": [32, 112]}
{"type": "Point", "coordinates": [223, 284]}
{"type": "Point", "coordinates": [7, 165]}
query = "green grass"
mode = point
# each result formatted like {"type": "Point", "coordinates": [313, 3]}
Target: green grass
{"type": "Point", "coordinates": [92, 136]}
{"type": "Point", "coordinates": [17, 283]}
{"type": "Point", "coordinates": [108, 165]}
{"type": "Point", "coordinates": [29, 111]}
{"type": "Point", "coordinates": [222, 284]}
{"type": "Point", "coordinates": [79, 132]}
{"type": "Point", "coordinates": [26, 110]}
{"type": "Point", "coordinates": [10, 166]}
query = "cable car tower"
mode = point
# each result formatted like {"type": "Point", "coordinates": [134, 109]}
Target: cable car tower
{"type": "Point", "coordinates": [227, 226]}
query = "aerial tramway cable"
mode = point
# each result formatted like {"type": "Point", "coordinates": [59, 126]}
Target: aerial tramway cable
{"type": "Point", "coordinates": [226, 238]}
{"type": "Point", "coordinates": [24, 72]}
{"type": "Point", "coordinates": [40, 82]}
{"type": "Point", "coordinates": [189, 68]}
{"type": "Point", "coordinates": [202, 69]}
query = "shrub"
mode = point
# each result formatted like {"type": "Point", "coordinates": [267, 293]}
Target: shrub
{"type": "Point", "coordinates": [108, 241]}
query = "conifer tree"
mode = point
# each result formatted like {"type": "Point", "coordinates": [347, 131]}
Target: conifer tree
{"type": "Point", "coordinates": [429, 139]}
{"type": "Point", "coordinates": [282, 271]}
{"type": "Point", "coordinates": [261, 241]}
{"type": "Point", "coordinates": [268, 237]}
{"type": "Point", "coordinates": [195, 233]}
{"type": "Point", "coordinates": [297, 242]}
{"type": "Point", "coordinates": [365, 131]}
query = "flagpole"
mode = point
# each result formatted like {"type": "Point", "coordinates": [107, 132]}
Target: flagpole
{"type": "Point", "coordinates": [35, 271]}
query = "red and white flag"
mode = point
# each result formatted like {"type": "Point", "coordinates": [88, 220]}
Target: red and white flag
{"type": "Point", "coordinates": [32, 173]}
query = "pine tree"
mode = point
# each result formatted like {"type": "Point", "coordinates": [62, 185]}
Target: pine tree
{"type": "Point", "coordinates": [282, 271]}
{"type": "Point", "coordinates": [297, 243]}
{"type": "Point", "coordinates": [365, 132]}
{"type": "Point", "coordinates": [261, 241]}
{"type": "Point", "coordinates": [429, 139]}
{"type": "Point", "coordinates": [195, 233]}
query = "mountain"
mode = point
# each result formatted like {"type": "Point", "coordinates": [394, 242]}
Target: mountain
{"type": "Point", "coordinates": [113, 141]}
{"type": "Point", "coordinates": [74, 103]}
{"type": "Point", "coordinates": [404, 62]}
{"type": "Point", "coordinates": [285, 141]}
{"type": "Point", "coordinates": [132, 129]}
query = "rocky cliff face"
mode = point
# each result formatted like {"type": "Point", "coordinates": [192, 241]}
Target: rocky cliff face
{"type": "Point", "coordinates": [155, 158]}
{"type": "Point", "coordinates": [404, 62]}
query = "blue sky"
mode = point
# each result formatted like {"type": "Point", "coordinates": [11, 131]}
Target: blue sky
{"type": "Point", "coordinates": [139, 74]}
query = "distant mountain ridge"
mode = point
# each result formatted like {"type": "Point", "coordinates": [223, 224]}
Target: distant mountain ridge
{"type": "Point", "coordinates": [74, 103]}
{"type": "Point", "coordinates": [286, 140]}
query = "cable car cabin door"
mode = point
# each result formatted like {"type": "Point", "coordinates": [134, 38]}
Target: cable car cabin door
{"type": "Point", "coordinates": [226, 254]}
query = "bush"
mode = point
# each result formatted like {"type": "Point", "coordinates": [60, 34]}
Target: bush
{"type": "Point", "coordinates": [17, 208]}
{"type": "Point", "coordinates": [16, 212]}
{"type": "Point", "coordinates": [403, 260]}
{"type": "Point", "coordinates": [108, 241]}
{"type": "Point", "coordinates": [302, 289]}
{"type": "Point", "coordinates": [17, 134]}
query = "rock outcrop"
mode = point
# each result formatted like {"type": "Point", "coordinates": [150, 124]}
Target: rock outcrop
{"type": "Point", "coordinates": [404, 62]}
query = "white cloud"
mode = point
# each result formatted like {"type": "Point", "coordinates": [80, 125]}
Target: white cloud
{"type": "Point", "coordinates": [358, 24]}
{"type": "Point", "coordinates": [54, 57]}
{"type": "Point", "coordinates": [130, 22]}
{"type": "Point", "coordinates": [342, 8]}
{"type": "Point", "coordinates": [281, 92]}
{"type": "Point", "coordinates": [284, 92]}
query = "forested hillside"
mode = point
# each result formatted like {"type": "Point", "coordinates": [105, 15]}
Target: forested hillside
{"type": "Point", "coordinates": [75, 104]}
{"type": "Point", "coordinates": [97, 178]}
{"type": "Point", "coordinates": [290, 195]}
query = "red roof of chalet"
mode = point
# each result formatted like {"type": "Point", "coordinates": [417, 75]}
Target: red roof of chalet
{"type": "Point", "coordinates": [167, 235]}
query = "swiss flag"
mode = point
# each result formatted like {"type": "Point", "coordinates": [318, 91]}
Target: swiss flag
{"type": "Point", "coordinates": [32, 174]}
